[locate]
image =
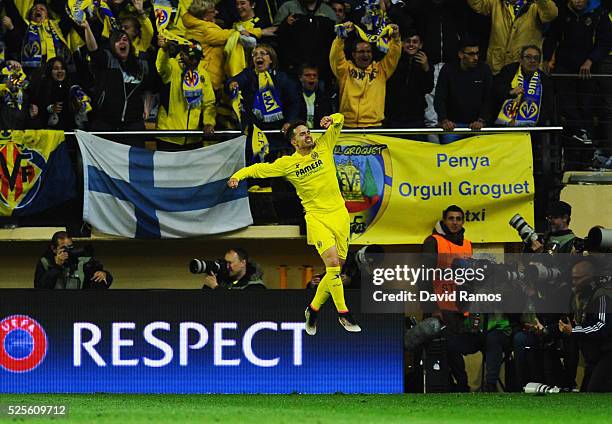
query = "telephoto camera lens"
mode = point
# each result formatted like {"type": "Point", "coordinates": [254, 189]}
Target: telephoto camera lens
{"type": "Point", "coordinates": [526, 232]}
{"type": "Point", "coordinates": [202, 266]}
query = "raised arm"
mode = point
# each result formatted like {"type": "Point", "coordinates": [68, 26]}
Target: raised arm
{"type": "Point", "coordinates": [484, 7]}
{"type": "Point", "coordinates": [162, 63]}
{"type": "Point", "coordinates": [333, 125]}
{"type": "Point", "coordinates": [391, 59]}
{"type": "Point", "coordinates": [547, 10]}
{"type": "Point", "coordinates": [90, 40]}
{"type": "Point", "coordinates": [337, 58]}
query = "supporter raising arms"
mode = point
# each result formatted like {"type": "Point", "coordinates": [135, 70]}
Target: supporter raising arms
{"type": "Point", "coordinates": [191, 97]}
{"type": "Point", "coordinates": [362, 80]}
{"type": "Point", "coordinates": [201, 26]}
{"type": "Point", "coordinates": [35, 38]}
{"type": "Point", "coordinates": [119, 79]}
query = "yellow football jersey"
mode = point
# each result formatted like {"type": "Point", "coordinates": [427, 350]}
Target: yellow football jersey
{"type": "Point", "coordinates": [312, 175]}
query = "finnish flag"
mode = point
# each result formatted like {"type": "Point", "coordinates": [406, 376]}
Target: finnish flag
{"type": "Point", "coordinates": [137, 193]}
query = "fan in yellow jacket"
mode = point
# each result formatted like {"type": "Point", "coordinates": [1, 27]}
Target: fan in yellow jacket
{"type": "Point", "coordinates": [200, 25]}
{"type": "Point", "coordinates": [363, 82]}
{"type": "Point", "coordinates": [191, 96]}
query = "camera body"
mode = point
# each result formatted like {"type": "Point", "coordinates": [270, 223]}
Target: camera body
{"type": "Point", "coordinates": [80, 268]}
{"type": "Point", "coordinates": [74, 254]}
{"type": "Point", "coordinates": [217, 267]}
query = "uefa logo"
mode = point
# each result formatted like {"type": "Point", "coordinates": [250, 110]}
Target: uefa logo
{"type": "Point", "coordinates": [23, 343]}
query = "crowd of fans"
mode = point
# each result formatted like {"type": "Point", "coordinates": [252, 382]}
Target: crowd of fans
{"type": "Point", "coordinates": [181, 64]}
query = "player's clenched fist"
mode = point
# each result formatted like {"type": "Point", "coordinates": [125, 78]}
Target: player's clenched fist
{"type": "Point", "coordinates": [232, 183]}
{"type": "Point", "coordinates": [326, 121]}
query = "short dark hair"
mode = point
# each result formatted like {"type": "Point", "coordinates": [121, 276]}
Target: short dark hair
{"type": "Point", "coordinates": [409, 33]}
{"type": "Point", "coordinates": [452, 208]}
{"type": "Point", "coordinates": [340, 2]}
{"type": "Point", "coordinates": [531, 46]}
{"type": "Point", "coordinates": [292, 126]}
{"type": "Point", "coordinates": [307, 65]}
{"type": "Point", "coordinates": [57, 236]}
{"type": "Point", "coordinates": [468, 42]}
{"type": "Point", "coordinates": [242, 254]}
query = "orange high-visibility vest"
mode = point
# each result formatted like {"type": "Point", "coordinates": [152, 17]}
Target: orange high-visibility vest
{"type": "Point", "coordinates": [447, 252]}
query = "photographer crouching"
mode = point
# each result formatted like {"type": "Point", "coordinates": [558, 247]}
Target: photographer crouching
{"type": "Point", "coordinates": [233, 272]}
{"type": "Point", "coordinates": [64, 267]}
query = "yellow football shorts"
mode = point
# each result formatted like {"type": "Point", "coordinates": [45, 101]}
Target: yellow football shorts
{"type": "Point", "coordinates": [327, 230]}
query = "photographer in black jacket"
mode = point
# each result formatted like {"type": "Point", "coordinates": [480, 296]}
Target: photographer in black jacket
{"type": "Point", "coordinates": [64, 267]}
{"type": "Point", "coordinates": [240, 273]}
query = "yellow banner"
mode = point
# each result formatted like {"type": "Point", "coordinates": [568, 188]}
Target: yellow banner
{"type": "Point", "coordinates": [396, 189]}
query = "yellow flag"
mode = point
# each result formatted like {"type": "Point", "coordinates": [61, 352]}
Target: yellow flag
{"type": "Point", "coordinates": [259, 144]}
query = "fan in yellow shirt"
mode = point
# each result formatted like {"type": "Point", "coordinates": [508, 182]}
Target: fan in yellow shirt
{"type": "Point", "coordinates": [312, 171]}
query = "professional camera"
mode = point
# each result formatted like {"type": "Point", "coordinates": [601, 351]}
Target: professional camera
{"type": "Point", "coordinates": [500, 273]}
{"type": "Point", "coordinates": [216, 267]}
{"type": "Point", "coordinates": [541, 273]}
{"type": "Point", "coordinates": [599, 238]}
{"type": "Point", "coordinates": [74, 254]}
{"type": "Point", "coordinates": [526, 232]}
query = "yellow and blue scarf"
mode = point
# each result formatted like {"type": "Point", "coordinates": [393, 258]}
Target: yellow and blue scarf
{"type": "Point", "coordinates": [259, 144]}
{"type": "Point", "coordinates": [12, 94]}
{"type": "Point", "coordinates": [80, 98]}
{"type": "Point", "coordinates": [43, 40]}
{"type": "Point", "coordinates": [267, 105]}
{"type": "Point", "coordinates": [374, 18]}
{"type": "Point", "coordinates": [515, 8]}
{"type": "Point", "coordinates": [79, 10]}
{"type": "Point", "coordinates": [109, 22]}
{"type": "Point", "coordinates": [523, 111]}
{"type": "Point", "coordinates": [380, 39]}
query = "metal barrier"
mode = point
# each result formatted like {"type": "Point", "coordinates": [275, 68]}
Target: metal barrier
{"type": "Point", "coordinates": [379, 131]}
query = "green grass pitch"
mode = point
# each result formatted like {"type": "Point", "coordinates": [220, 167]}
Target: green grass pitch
{"type": "Point", "coordinates": [338, 408]}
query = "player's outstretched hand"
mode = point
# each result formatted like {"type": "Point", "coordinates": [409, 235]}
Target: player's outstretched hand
{"type": "Point", "coordinates": [326, 121]}
{"type": "Point", "coordinates": [232, 183]}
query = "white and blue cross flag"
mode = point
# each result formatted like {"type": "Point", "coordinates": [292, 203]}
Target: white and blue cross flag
{"type": "Point", "coordinates": [137, 193]}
